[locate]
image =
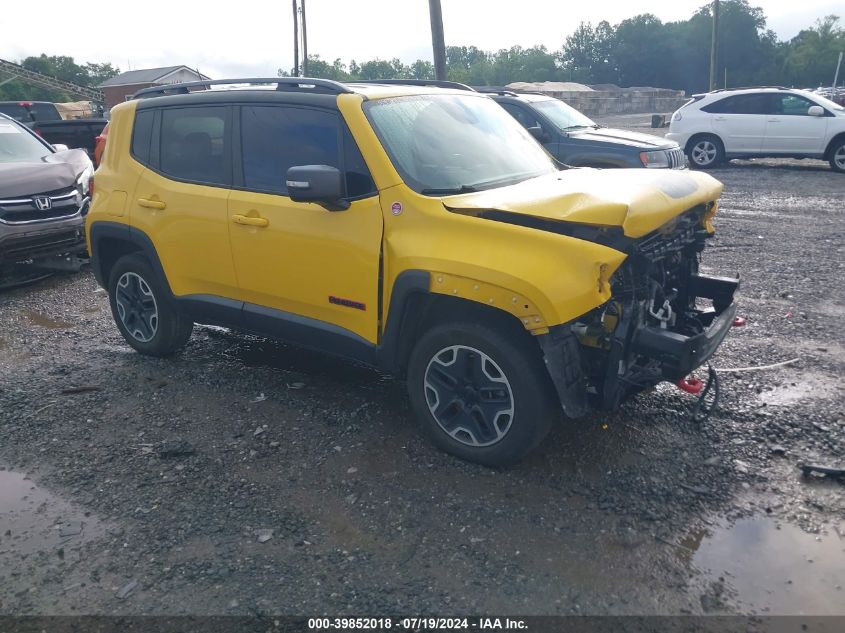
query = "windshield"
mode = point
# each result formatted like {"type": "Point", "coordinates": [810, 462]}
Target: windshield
{"type": "Point", "coordinates": [442, 144]}
{"type": "Point", "coordinates": [562, 115]}
{"type": "Point", "coordinates": [18, 145]}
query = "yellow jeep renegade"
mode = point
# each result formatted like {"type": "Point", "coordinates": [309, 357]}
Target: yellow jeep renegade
{"type": "Point", "coordinates": [414, 227]}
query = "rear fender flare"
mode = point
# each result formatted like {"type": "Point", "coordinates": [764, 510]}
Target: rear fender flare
{"type": "Point", "coordinates": [101, 232]}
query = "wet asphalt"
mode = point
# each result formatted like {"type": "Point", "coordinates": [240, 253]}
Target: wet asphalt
{"type": "Point", "coordinates": [243, 476]}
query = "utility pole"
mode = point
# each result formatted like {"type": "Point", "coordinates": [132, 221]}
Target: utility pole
{"type": "Point", "coordinates": [304, 42]}
{"type": "Point", "coordinates": [438, 43]}
{"type": "Point", "coordinates": [836, 75]}
{"type": "Point", "coordinates": [714, 45]}
{"type": "Point", "coordinates": [295, 41]}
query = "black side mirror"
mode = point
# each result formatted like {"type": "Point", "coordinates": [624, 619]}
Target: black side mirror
{"type": "Point", "coordinates": [539, 133]}
{"type": "Point", "coordinates": [317, 183]}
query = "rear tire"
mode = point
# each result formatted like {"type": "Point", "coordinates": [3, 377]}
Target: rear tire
{"type": "Point", "coordinates": [143, 310]}
{"type": "Point", "coordinates": [479, 394]}
{"type": "Point", "coordinates": [705, 151]}
{"type": "Point", "coordinates": [837, 156]}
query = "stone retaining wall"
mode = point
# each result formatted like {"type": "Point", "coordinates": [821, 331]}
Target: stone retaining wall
{"type": "Point", "coordinates": [597, 103]}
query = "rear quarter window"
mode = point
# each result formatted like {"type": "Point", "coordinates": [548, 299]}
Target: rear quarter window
{"type": "Point", "coordinates": [142, 134]}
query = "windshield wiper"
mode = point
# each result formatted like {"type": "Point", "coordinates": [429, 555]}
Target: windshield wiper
{"type": "Point", "coordinates": [448, 191]}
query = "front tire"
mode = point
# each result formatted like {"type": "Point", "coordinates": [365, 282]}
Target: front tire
{"type": "Point", "coordinates": [837, 156]}
{"type": "Point", "coordinates": [480, 395]}
{"type": "Point", "coordinates": [705, 152]}
{"type": "Point", "coordinates": [143, 310]}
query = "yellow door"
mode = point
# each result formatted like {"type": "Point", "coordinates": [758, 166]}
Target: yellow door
{"type": "Point", "coordinates": [299, 258]}
{"type": "Point", "coordinates": [180, 200]}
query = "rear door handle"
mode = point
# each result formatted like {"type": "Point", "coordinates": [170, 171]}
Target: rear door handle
{"type": "Point", "coordinates": [152, 204]}
{"type": "Point", "coordinates": [249, 220]}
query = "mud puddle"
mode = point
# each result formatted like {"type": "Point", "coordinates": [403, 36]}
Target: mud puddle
{"type": "Point", "coordinates": [804, 388]}
{"type": "Point", "coordinates": [772, 568]}
{"type": "Point", "coordinates": [33, 520]}
{"type": "Point", "coordinates": [40, 320]}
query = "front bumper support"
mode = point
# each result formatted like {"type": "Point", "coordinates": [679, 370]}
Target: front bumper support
{"type": "Point", "coordinates": [678, 354]}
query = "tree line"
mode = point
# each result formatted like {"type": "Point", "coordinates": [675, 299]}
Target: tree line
{"type": "Point", "coordinates": [60, 67]}
{"type": "Point", "coordinates": [639, 51]}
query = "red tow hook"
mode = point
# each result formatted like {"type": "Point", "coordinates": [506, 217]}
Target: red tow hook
{"type": "Point", "coordinates": [690, 385]}
{"type": "Point", "coordinates": [738, 322]}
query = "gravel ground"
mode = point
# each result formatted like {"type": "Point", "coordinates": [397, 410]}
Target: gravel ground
{"type": "Point", "coordinates": [244, 476]}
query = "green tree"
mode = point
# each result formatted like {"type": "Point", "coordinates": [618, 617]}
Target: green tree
{"type": "Point", "coordinates": [98, 73]}
{"type": "Point", "coordinates": [318, 67]}
{"type": "Point", "coordinates": [588, 55]}
{"type": "Point", "coordinates": [421, 69]}
{"type": "Point", "coordinates": [523, 64]}
{"type": "Point", "coordinates": [382, 69]}
{"type": "Point", "coordinates": [809, 59]}
{"type": "Point", "coordinates": [579, 53]}
{"type": "Point", "coordinates": [640, 47]}
{"type": "Point", "coordinates": [604, 68]}
{"type": "Point", "coordinates": [60, 67]}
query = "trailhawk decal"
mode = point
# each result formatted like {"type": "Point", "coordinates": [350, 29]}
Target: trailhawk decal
{"type": "Point", "coordinates": [348, 303]}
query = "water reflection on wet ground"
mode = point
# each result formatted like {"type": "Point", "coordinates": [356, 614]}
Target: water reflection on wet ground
{"type": "Point", "coordinates": [33, 520]}
{"type": "Point", "coordinates": [774, 568]}
{"type": "Point", "coordinates": [41, 320]}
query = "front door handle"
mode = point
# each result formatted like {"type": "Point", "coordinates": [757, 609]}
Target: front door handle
{"type": "Point", "coordinates": [250, 220]}
{"type": "Point", "coordinates": [773, 120]}
{"type": "Point", "coordinates": [152, 204]}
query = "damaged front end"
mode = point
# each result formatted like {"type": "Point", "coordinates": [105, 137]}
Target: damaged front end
{"type": "Point", "coordinates": [663, 320]}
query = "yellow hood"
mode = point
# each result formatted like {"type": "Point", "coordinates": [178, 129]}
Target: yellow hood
{"type": "Point", "coordinates": [638, 200]}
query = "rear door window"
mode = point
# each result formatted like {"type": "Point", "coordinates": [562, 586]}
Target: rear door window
{"type": "Point", "coordinates": [276, 138]}
{"type": "Point", "coordinates": [741, 104]}
{"type": "Point", "coordinates": [194, 145]}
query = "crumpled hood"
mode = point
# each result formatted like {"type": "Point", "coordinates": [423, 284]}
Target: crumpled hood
{"type": "Point", "coordinates": [604, 135]}
{"type": "Point", "coordinates": [54, 171]}
{"type": "Point", "coordinates": [638, 200]}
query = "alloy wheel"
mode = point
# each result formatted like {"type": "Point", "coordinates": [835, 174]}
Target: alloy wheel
{"type": "Point", "coordinates": [136, 307]}
{"type": "Point", "coordinates": [469, 396]}
{"type": "Point", "coordinates": [839, 158]}
{"type": "Point", "coordinates": [704, 153]}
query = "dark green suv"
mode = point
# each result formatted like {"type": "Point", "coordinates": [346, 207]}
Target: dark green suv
{"type": "Point", "coordinates": [575, 139]}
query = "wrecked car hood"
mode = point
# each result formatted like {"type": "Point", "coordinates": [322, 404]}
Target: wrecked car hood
{"type": "Point", "coordinates": [54, 171]}
{"type": "Point", "coordinates": [638, 200]}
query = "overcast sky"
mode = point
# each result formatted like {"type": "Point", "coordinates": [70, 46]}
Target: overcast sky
{"type": "Point", "coordinates": [254, 37]}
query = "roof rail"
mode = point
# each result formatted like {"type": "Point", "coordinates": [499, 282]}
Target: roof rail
{"type": "Point", "coordinates": [437, 83]}
{"type": "Point", "coordinates": [750, 88]}
{"type": "Point", "coordinates": [495, 91]}
{"type": "Point", "coordinates": [282, 83]}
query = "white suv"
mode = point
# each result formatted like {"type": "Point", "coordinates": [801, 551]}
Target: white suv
{"type": "Point", "coordinates": [754, 122]}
